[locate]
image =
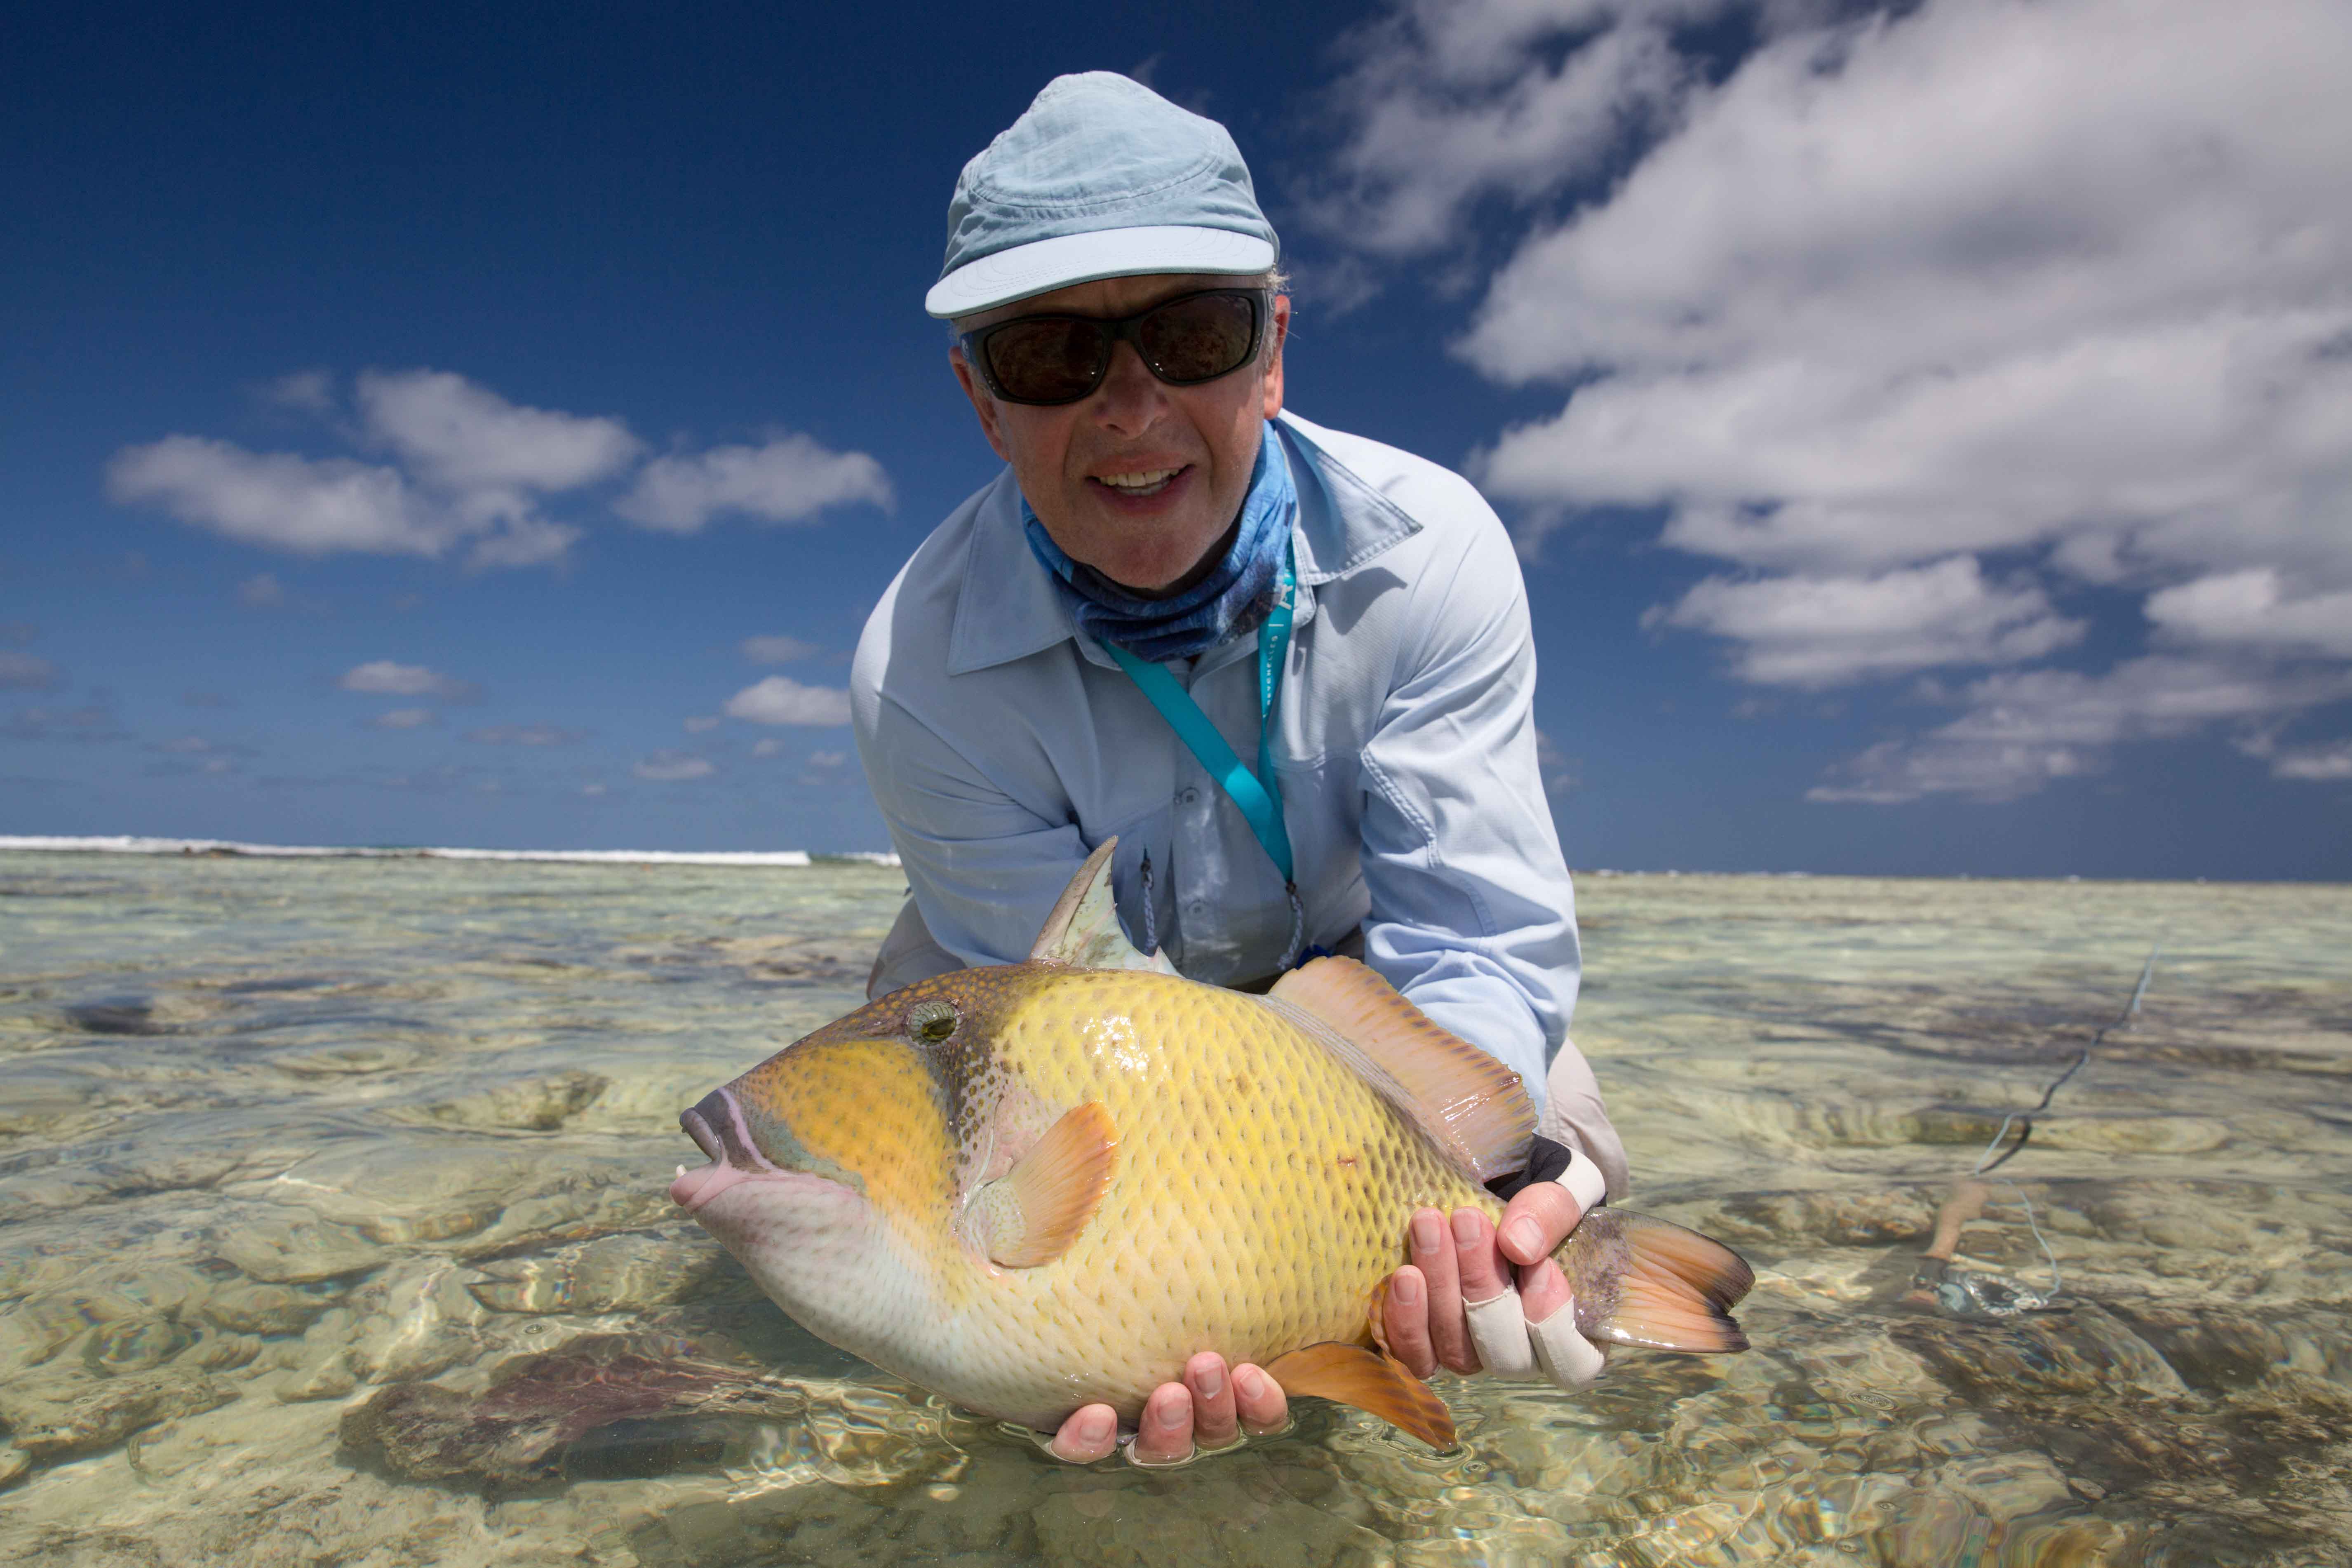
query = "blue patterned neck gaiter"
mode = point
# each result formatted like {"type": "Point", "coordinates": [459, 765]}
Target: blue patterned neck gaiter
{"type": "Point", "coordinates": [1230, 600]}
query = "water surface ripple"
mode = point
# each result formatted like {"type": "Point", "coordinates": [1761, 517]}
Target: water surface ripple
{"type": "Point", "coordinates": [333, 1229]}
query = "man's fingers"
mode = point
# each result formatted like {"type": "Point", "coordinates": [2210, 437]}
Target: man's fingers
{"type": "Point", "coordinates": [1482, 1276]}
{"type": "Point", "coordinates": [1405, 1315]}
{"type": "Point", "coordinates": [1090, 1433]}
{"type": "Point", "coordinates": [1214, 1424]}
{"type": "Point", "coordinates": [1449, 1332]}
{"type": "Point", "coordinates": [1543, 1290]}
{"type": "Point", "coordinates": [1539, 1220]}
{"type": "Point", "coordinates": [1164, 1436]}
{"type": "Point", "coordinates": [1259, 1401]}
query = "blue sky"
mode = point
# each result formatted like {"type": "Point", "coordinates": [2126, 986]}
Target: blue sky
{"type": "Point", "coordinates": [1929, 433]}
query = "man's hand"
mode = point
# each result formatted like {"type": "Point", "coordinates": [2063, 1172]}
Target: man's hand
{"type": "Point", "coordinates": [1210, 1405]}
{"type": "Point", "coordinates": [1466, 1258]}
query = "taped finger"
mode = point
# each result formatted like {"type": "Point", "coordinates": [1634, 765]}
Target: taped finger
{"type": "Point", "coordinates": [1499, 1329]}
{"type": "Point", "coordinates": [1567, 1357]}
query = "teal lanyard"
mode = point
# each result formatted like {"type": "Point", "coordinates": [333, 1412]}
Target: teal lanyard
{"type": "Point", "coordinates": [1257, 793]}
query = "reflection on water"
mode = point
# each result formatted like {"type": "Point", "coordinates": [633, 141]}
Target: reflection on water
{"type": "Point", "coordinates": [332, 1227]}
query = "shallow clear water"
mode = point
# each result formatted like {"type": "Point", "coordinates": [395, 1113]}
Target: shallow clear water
{"type": "Point", "coordinates": [332, 1229]}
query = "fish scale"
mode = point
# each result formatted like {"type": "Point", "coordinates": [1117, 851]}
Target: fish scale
{"type": "Point", "coordinates": [1035, 1186]}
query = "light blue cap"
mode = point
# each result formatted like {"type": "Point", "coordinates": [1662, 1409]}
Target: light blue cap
{"type": "Point", "coordinates": [1101, 178]}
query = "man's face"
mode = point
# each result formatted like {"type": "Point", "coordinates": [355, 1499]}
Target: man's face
{"type": "Point", "coordinates": [1135, 425]}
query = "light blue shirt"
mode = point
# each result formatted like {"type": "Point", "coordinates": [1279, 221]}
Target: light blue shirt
{"type": "Point", "coordinates": [1004, 745]}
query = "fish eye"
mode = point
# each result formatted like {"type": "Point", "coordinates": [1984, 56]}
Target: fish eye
{"type": "Point", "coordinates": [931, 1021]}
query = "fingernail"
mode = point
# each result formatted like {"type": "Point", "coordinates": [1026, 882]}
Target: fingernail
{"type": "Point", "coordinates": [1525, 1238]}
{"type": "Point", "coordinates": [1095, 1427]}
{"type": "Point", "coordinates": [1250, 1381]}
{"type": "Point", "coordinates": [1426, 1235]}
{"type": "Point", "coordinates": [1406, 1290]}
{"type": "Point", "coordinates": [1212, 1382]}
{"type": "Point", "coordinates": [1174, 1414]}
{"type": "Point", "coordinates": [1466, 1223]}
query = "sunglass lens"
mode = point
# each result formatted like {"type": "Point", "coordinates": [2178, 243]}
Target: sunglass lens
{"type": "Point", "coordinates": [1054, 359]}
{"type": "Point", "coordinates": [1199, 338]}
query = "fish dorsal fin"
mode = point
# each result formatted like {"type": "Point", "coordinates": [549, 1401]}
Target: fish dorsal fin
{"type": "Point", "coordinates": [1083, 932]}
{"type": "Point", "coordinates": [1351, 1375]}
{"type": "Point", "coordinates": [1038, 1207]}
{"type": "Point", "coordinates": [1471, 1105]}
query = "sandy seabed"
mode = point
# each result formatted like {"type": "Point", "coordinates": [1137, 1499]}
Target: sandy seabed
{"type": "Point", "coordinates": [333, 1229]}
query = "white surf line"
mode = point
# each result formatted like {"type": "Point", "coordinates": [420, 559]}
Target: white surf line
{"type": "Point", "coordinates": [133, 844]}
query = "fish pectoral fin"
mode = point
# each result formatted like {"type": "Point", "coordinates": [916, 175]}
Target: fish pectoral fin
{"type": "Point", "coordinates": [1471, 1105]}
{"type": "Point", "coordinates": [1351, 1375]}
{"type": "Point", "coordinates": [1037, 1209]}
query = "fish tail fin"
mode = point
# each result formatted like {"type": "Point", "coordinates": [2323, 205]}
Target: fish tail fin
{"type": "Point", "coordinates": [1677, 1291]}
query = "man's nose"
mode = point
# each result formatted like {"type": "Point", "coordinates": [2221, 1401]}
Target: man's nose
{"type": "Point", "coordinates": [1130, 396]}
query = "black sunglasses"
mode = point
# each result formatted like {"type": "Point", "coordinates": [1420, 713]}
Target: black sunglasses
{"type": "Point", "coordinates": [1185, 341]}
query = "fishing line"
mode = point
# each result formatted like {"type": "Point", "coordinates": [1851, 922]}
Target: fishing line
{"type": "Point", "coordinates": [1963, 1293]}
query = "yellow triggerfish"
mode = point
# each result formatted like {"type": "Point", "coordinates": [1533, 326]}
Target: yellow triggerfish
{"type": "Point", "coordinates": [1034, 1186]}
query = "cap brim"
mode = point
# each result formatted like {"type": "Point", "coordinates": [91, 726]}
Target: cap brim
{"type": "Point", "coordinates": [1045, 265]}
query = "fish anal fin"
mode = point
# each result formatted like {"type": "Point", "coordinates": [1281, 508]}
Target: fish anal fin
{"type": "Point", "coordinates": [1470, 1104]}
{"type": "Point", "coordinates": [1351, 1375]}
{"type": "Point", "coordinates": [1037, 1209]}
{"type": "Point", "coordinates": [1083, 932]}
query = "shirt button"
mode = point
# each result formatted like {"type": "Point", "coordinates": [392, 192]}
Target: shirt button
{"type": "Point", "coordinates": [1188, 797]}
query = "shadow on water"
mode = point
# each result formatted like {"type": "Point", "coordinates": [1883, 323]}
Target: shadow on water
{"type": "Point", "coordinates": [332, 1226]}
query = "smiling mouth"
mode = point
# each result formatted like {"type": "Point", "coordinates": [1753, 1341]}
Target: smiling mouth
{"type": "Point", "coordinates": [1141, 482]}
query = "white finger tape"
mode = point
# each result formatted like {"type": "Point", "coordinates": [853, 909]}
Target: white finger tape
{"type": "Point", "coordinates": [1567, 1358]}
{"type": "Point", "coordinates": [1499, 1329]}
{"type": "Point", "coordinates": [1583, 1180]}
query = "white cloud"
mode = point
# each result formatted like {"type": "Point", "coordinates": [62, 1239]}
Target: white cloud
{"type": "Point", "coordinates": [466, 439]}
{"type": "Point", "coordinates": [383, 678]}
{"type": "Point", "coordinates": [2314, 763]}
{"type": "Point", "coordinates": [672, 767]}
{"type": "Point", "coordinates": [1450, 102]}
{"type": "Point", "coordinates": [2062, 282]}
{"type": "Point", "coordinates": [2025, 728]}
{"type": "Point", "coordinates": [778, 649]}
{"type": "Point", "coordinates": [827, 759]}
{"type": "Point", "coordinates": [790, 479]}
{"type": "Point", "coordinates": [779, 700]}
{"type": "Point", "coordinates": [592, 789]}
{"type": "Point", "coordinates": [402, 718]}
{"type": "Point", "coordinates": [697, 724]}
{"type": "Point", "coordinates": [2251, 609]}
{"type": "Point", "coordinates": [767, 746]}
{"type": "Point", "coordinates": [524, 735]}
{"type": "Point", "coordinates": [305, 391]}
{"type": "Point", "coordinates": [263, 592]}
{"type": "Point", "coordinates": [24, 672]}
{"type": "Point", "coordinates": [309, 506]}
{"type": "Point", "coordinates": [1814, 632]}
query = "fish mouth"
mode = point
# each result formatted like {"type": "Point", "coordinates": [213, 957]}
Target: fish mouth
{"type": "Point", "coordinates": [715, 1122]}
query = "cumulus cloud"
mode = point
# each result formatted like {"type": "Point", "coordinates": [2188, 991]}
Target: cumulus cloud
{"type": "Point", "coordinates": [673, 767]}
{"type": "Point", "coordinates": [402, 718]}
{"type": "Point", "coordinates": [779, 700]}
{"type": "Point", "coordinates": [383, 678]}
{"type": "Point", "coordinates": [788, 479]}
{"type": "Point", "coordinates": [263, 592]}
{"type": "Point", "coordinates": [1814, 632]}
{"type": "Point", "coordinates": [1945, 310]}
{"type": "Point", "coordinates": [767, 746]}
{"type": "Point", "coordinates": [24, 672]}
{"type": "Point", "coordinates": [2023, 729]}
{"type": "Point", "coordinates": [469, 470]}
{"type": "Point", "coordinates": [524, 735]}
{"type": "Point", "coordinates": [470, 441]}
{"type": "Point", "coordinates": [777, 650]}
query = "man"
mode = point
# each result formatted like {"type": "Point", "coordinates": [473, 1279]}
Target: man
{"type": "Point", "coordinates": [1172, 575]}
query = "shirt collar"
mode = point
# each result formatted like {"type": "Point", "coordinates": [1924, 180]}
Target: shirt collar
{"type": "Point", "coordinates": [1007, 608]}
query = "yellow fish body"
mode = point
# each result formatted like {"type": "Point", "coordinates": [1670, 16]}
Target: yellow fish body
{"type": "Point", "coordinates": [1035, 1186]}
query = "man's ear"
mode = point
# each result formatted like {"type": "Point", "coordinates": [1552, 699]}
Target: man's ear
{"type": "Point", "coordinates": [981, 403]}
{"type": "Point", "coordinates": [1280, 335]}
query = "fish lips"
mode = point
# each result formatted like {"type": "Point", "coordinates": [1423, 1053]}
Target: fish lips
{"type": "Point", "coordinates": [716, 1124]}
